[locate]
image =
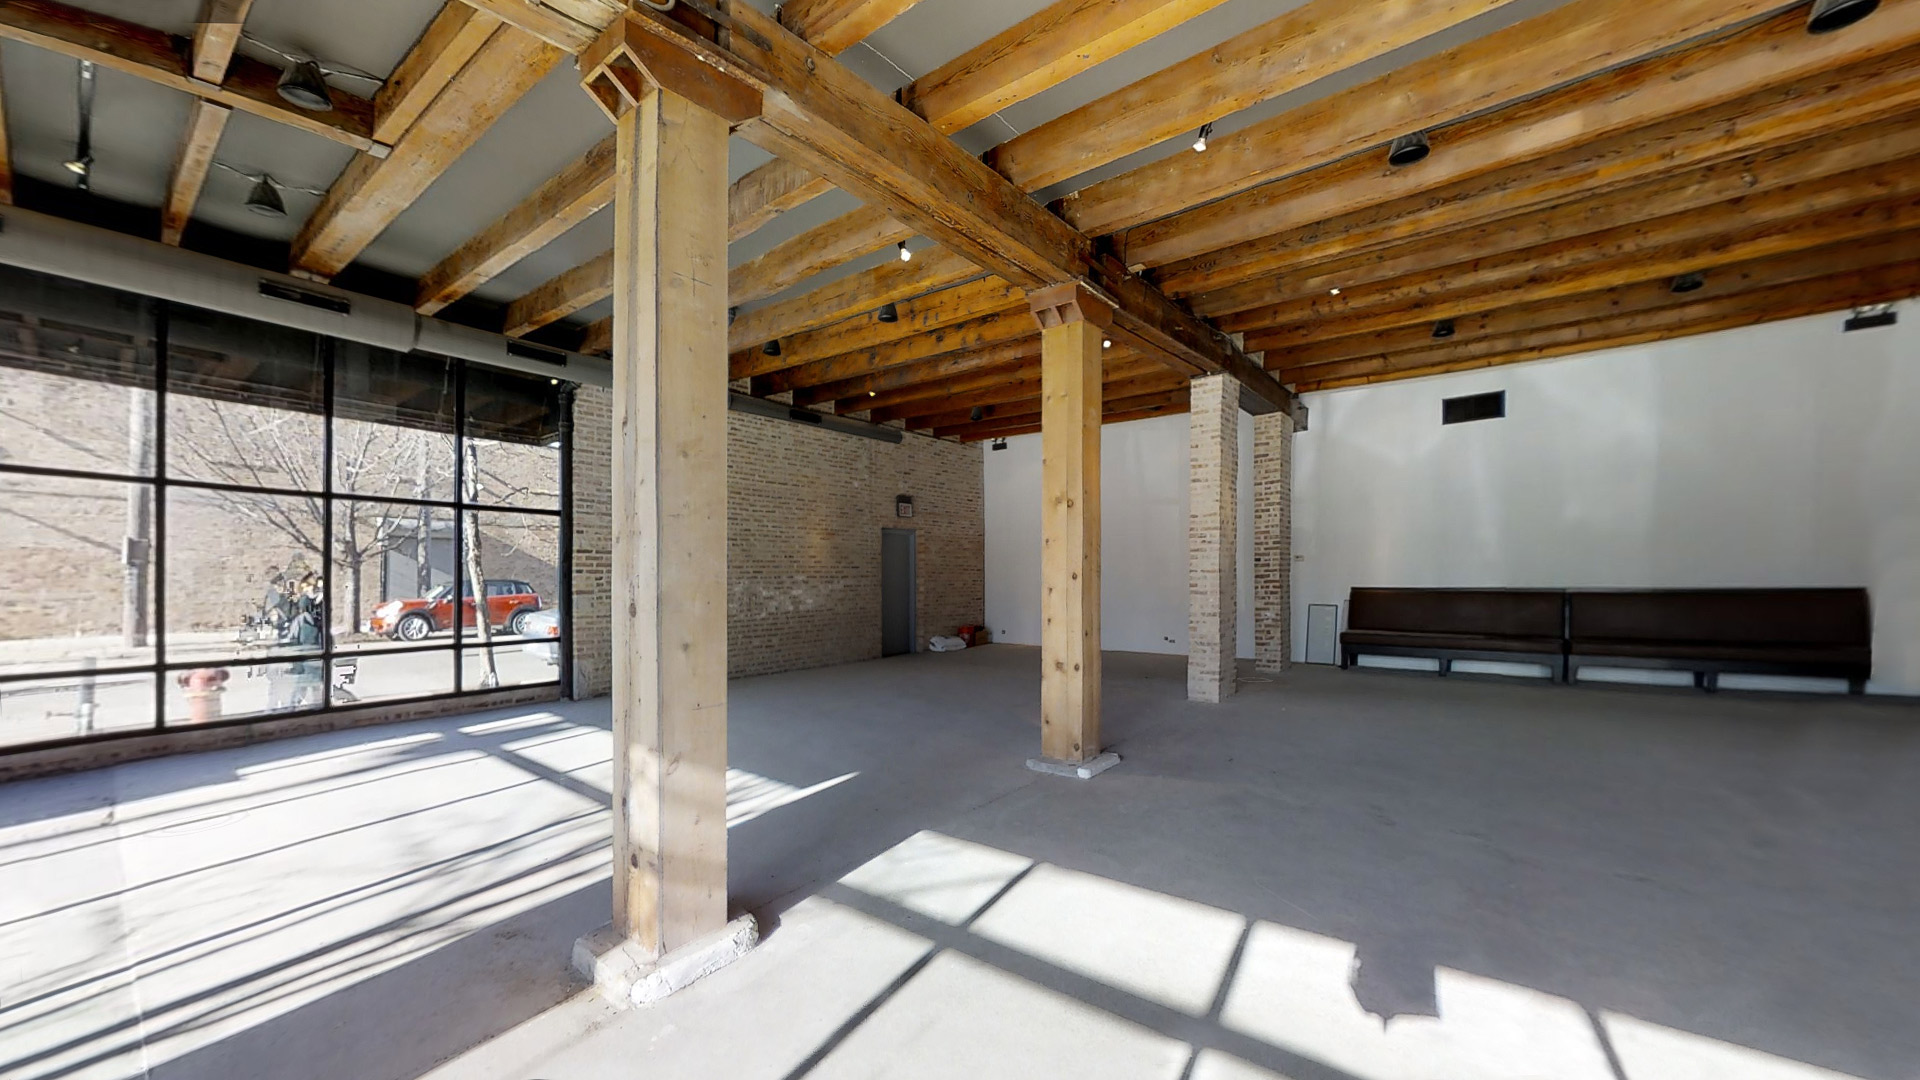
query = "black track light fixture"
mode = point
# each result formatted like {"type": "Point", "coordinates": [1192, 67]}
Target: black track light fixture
{"type": "Point", "coordinates": [1831, 15]}
{"type": "Point", "coordinates": [732, 314]}
{"type": "Point", "coordinates": [977, 414]}
{"type": "Point", "coordinates": [305, 85]}
{"type": "Point", "coordinates": [1408, 150]}
{"type": "Point", "coordinates": [264, 199]}
{"type": "Point", "coordinates": [1200, 141]}
{"type": "Point", "coordinates": [906, 255]}
{"type": "Point", "coordinates": [1443, 330]}
{"type": "Point", "coordinates": [1687, 283]}
{"type": "Point", "coordinates": [888, 313]}
{"type": "Point", "coordinates": [771, 348]}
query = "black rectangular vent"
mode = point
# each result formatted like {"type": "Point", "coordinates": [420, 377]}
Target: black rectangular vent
{"type": "Point", "coordinates": [275, 290]}
{"type": "Point", "coordinates": [805, 416]}
{"type": "Point", "coordinates": [533, 352]}
{"type": "Point", "coordinates": [1463, 410]}
{"type": "Point", "coordinates": [1873, 320]}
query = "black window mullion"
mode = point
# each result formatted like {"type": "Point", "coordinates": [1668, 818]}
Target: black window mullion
{"type": "Point", "coordinates": [330, 611]}
{"type": "Point", "coordinates": [161, 363]}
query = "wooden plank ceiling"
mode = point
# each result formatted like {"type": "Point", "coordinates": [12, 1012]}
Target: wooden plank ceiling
{"type": "Point", "coordinates": [1609, 172]}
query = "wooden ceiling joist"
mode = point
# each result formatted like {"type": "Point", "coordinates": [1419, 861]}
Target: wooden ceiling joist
{"type": "Point", "coordinates": [860, 390]}
{"type": "Point", "coordinates": [206, 120]}
{"type": "Point", "coordinates": [580, 190]}
{"type": "Point", "coordinates": [849, 297]}
{"type": "Point", "coordinates": [1677, 193]}
{"type": "Point", "coordinates": [1767, 85]}
{"type": "Point", "coordinates": [1023, 385]}
{"type": "Point", "coordinates": [928, 314]}
{"type": "Point", "coordinates": [1113, 412]}
{"type": "Point", "coordinates": [1312, 361]}
{"type": "Point", "coordinates": [832, 244]}
{"type": "Point", "coordinates": [560, 29]}
{"type": "Point", "coordinates": [372, 192]}
{"type": "Point", "coordinates": [1854, 206]}
{"type": "Point", "coordinates": [161, 58]}
{"type": "Point", "coordinates": [215, 35]}
{"type": "Point", "coordinates": [451, 41]}
{"type": "Point", "coordinates": [767, 192]}
{"type": "Point", "coordinates": [1796, 300]}
{"type": "Point", "coordinates": [580, 287]}
{"type": "Point", "coordinates": [834, 26]}
{"type": "Point", "coordinates": [1304, 45]}
{"type": "Point", "coordinates": [1578, 40]}
{"type": "Point", "coordinates": [1116, 394]}
{"type": "Point", "coordinates": [986, 330]}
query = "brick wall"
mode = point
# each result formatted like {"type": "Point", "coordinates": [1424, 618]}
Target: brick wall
{"type": "Point", "coordinates": [1213, 533]}
{"type": "Point", "coordinates": [805, 510]}
{"type": "Point", "coordinates": [1273, 541]}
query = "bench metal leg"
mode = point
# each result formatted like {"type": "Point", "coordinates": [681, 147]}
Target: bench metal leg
{"type": "Point", "coordinates": [1856, 686]}
{"type": "Point", "coordinates": [1445, 664]}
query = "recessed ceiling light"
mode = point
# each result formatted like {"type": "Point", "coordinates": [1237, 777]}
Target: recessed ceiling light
{"type": "Point", "coordinates": [1408, 150]}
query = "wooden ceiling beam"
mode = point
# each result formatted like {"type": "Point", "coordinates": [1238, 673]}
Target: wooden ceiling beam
{"type": "Point", "coordinates": [988, 330]}
{"type": "Point", "coordinates": [580, 287]}
{"type": "Point", "coordinates": [1360, 203]}
{"type": "Point", "coordinates": [767, 192]}
{"type": "Point", "coordinates": [832, 244]}
{"type": "Point", "coordinates": [1676, 193]}
{"type": "Point", "coordinates": [206, 120]}
{"type": "Point", "coordinates": [1020, 384]}
{"type": "Point", "coordinates": [834, 26]}
{"type": "Point", "coordinates": [1116, 412]}
{"type": "Point", "coordinates": [1579, 40]}
{"type": "Point", "coordinates": [1116, 395]}
{"type": "Point", "coordinates": [1854, 206]}
{"type": "Point", "coordinates": [851, 296]}
{"type": "Point", "coordinates": [215, 35]}
{"type": "Point", "coordinates": [372, 192]}
{"type": "Point", "coordinates": [578, 192]}
{"type": "Point", "coordinates": [552, 26]}
{"type": "Point", "coordinates": [1880, 285]}
{"type": "Point", "coordinates": [161, 58]}
{"type": "Point", "coordinates": [1305, 362]}
{"type": "Point", "coordinates": [450, 42]}
{"type": "Point", "coordinates": [1304, 45]}
{"type": "Point", "coordinates": [926, 314]}
{"type": "Point", "coordinates": [863, 387]}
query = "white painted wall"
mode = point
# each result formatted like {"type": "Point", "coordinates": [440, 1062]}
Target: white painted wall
{"type": "Point", "coordinates": [1781, 455]}
{"type": "Point", "coordinates": [1143, 594]}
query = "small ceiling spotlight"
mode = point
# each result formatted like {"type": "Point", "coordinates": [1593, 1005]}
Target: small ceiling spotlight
{"type": "Point", "coordinates": [888, 313]}
{"type": "Point", "coordinates": [771, 348]}
{"type": "Point", "coordinates": [1831, 15]}
{"type": "Point", "coordinates": [977, 414]}
{"type": "Point", "coordinates": [1443, 329]}
{"type": "Point", "coordinates": [732, 314]}
{"type": "Point", "coordinates": [873, 393]}
{"type": "Point", "coordinates": [1200, 141]}
{"type": "Point", "coordinates": [905, 255]}
{"type": "Point", "coordinates": [1687, 283]}
{"type": "Point", "coordinates": [265, 199]}
{"type": "Point", "coordinates": [79, 166]}
{"type": "Point", "coordinates": [1333, 292]}
{"type": "Point", "coordinates": [1408, 150]}
{"type": "Point", "coordinates": [1106, 343]}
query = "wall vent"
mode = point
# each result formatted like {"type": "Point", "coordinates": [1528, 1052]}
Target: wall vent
{"type": "Point", "coordinates": [274, 290]}
{"type": "Point", "coordinates": [1463, 410]}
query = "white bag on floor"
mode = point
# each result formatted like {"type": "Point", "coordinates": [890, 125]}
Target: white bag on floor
{"type": "Point", "coordinates": [946, 644]}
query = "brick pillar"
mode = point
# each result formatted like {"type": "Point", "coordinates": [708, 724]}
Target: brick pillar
{"type": "Point", "coordinates": [592, 595]}
{"type": "Point", "coordinates": [1273, 542]}
{"type": "Point", "coordinates": [1213, 527]}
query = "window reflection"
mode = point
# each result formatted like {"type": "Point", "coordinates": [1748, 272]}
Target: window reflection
{"type": "Point", "coordinates": [513, 441]}
{"type": "Point", "coordinates": [219, 691]}
{"type": "Point", "coordinates": [76, 376]}
{"type": "Point", "coordinates": [393, 424]}
{"type": "Point", "coordinates": [365, 679]}
{"type": "Point", "coordinates": [244, 573]}
{"type": "Point", "coordinates": [392, 574]}
{"type": "Point", "coordinates": [244, 402]}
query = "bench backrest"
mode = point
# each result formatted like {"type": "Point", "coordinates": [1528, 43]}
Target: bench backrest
{"type": "Point", "coordinates": [1529, 613]}
{"type": "Point", "coordinates": [1733, 616]}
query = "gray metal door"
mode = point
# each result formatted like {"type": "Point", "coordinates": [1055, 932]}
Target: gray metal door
{"type": "Point", "coordinates": [897, 574]}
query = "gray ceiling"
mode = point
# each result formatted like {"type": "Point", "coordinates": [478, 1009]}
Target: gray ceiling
{"type": "Point", "coordinates": [137, 125]}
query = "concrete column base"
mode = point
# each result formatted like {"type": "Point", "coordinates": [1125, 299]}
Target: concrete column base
{"type": "Point", "coordinates": [1078, 770]}
{"type": "Point", "coordinates": [619, 969]}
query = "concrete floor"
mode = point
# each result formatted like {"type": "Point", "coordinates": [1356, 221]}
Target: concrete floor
{"type": "Point", "coordinates": [1534, 881]}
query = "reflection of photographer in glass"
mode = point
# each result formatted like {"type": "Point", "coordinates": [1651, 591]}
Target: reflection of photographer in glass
{"type": "Point", "coordinates": [276, 609]}
{"type": "Point", "coordinates": [303, 632]}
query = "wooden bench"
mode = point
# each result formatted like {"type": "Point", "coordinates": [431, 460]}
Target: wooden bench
{"type": "Point", "coordinates": [1820, 633]}
{"type": "Point", "coordinates": [1511, 625]}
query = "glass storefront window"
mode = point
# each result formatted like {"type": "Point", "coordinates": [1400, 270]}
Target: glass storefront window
{"type": "Point", "coordinates": [216, 520]}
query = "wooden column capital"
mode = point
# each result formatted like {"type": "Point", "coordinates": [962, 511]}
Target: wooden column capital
{"type": "Point", "coordinates": [684, 58]}
{"type": "Point", "coordinates": [1068, 303]}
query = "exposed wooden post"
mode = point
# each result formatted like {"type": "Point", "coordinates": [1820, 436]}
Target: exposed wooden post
{"type": "Point", "coordinates": [669, 549]}
{"type": "Point", "coordinates": [1213, 533]}
{"type": "Point", "coordinates": [1072, 324]}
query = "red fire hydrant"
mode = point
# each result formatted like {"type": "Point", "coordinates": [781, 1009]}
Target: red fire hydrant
{"type": "Point", "coordinates": [204, 687]}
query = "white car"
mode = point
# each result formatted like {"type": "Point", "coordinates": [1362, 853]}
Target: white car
{"type": "Point", "coordinates": [538, 628]}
